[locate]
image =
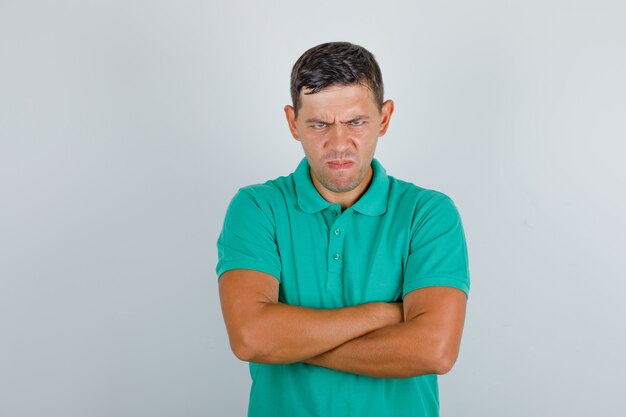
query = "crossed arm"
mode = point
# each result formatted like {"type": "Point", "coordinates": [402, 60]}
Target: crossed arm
{"type": "Point", "coordinates": [420, 336]}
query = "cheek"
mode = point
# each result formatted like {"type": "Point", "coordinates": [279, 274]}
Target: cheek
{"type": "Point", "coordinates": [312, 148]}
{"type": "Point", "coordinates": [366, 140]}
{"type": "Point", "coordinates": [366, 133]}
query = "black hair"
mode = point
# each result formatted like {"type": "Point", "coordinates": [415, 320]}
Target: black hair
{"type": "Point", "coordinates": [335, 63]}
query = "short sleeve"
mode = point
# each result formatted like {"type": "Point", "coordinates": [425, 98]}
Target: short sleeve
{"type": "Point", "coordinates": [248, 238]}
{"type": "Point", "coordinates": [437, 252]}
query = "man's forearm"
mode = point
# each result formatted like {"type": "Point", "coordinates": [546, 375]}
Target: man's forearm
{"type": "Point", "coordinates": [397, 351]}
{"type": "Point", "coordinates": [281, 333]}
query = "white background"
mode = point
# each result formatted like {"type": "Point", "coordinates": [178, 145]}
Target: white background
{"type": "Point", "coordinates": [127, 126]}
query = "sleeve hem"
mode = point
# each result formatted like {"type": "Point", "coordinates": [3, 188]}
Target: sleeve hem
{"type": "Point", "coordinates": [254, 266]}
{"type": "Point", "coordinates": [419, 283]}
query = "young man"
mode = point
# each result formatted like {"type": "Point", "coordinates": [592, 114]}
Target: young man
{"type": "Point", "coordinates": [344, 288]}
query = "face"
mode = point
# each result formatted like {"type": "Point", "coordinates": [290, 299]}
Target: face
{"type": "Point", "coordinates": [338, 128]}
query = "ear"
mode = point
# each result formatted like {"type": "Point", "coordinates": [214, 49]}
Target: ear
{"type": "Point", "coordinates": [386, 111]}
{"type": "Point", "coordinates": [290, 113]}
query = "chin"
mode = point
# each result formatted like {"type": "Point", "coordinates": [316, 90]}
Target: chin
{"type": "Point", "coordinates": [341, 186]}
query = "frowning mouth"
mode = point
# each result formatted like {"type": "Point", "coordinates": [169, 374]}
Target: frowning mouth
{"type": "Point", "coordinates": [340, 164]}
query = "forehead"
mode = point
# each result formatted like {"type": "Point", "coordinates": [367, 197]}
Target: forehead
{"type": "Point", "coordinates": [338, 100]}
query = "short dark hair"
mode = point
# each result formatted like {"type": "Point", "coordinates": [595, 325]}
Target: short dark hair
{"type": "Point", "coordinates": [336, 63]}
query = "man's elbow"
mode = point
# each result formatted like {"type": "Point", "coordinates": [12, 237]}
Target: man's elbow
{"type": "Point", "coordinates": [438, 358]}
{"type": "Point", "coordinates": [443, 366]}
{"type": "Point", "coordinates": [443, 360]}
{"type": "Point", "coordinates": [242, 352]}
{"type": "Point", "coordinates": [248, 346]}
{"type": "Point", "coordinates": [252, 344]}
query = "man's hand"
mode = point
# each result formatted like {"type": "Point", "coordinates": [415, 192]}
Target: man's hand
{"type": "Point", "coordinates": [262, 330]}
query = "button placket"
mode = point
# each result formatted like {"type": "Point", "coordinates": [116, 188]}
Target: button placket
{"type": "Point", "coordinates": [336, 241]}
{"type": "Point", "coordinates": [335, 256]}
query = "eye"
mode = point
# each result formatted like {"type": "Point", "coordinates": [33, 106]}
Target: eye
{"type": "Point", "coordinates": [358, 122]}
{"type": "Point", "coordinates": [319, 125]}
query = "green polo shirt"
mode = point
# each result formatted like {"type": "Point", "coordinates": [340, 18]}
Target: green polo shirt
{"type": "Point", "coordinates": [396, 238]}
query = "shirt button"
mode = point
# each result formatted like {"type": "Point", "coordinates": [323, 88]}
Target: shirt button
{"type": "Point", "coordinates": [337, 256]}
{"type": "Point", "coordinates": [337, 232]}
{"type": "Point", "coordinates": [333, 213]}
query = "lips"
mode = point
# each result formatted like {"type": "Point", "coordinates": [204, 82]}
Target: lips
{"type": "Point", "coordinates": [340, 164]}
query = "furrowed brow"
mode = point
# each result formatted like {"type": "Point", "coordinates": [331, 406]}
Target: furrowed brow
{"type": "Point", "coordinates": [354, 119]}
{"type": "Point", "coordinates": [317, 121]}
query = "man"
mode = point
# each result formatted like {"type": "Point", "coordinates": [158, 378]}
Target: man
{"type": "Point", "coordinates": [344, 288]}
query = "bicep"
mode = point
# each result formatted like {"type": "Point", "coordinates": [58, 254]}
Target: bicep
{"type": "Point", "coordinates": [243, 292]}
{"type": "Point", "coordinates": [440, 309]}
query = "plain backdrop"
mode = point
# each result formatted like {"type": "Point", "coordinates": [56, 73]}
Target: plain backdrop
{"type": "Point", "coordinates": [127, 126]}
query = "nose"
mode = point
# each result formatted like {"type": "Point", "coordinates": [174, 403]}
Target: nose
{"type": "Point", "coordinates": [339, 138]}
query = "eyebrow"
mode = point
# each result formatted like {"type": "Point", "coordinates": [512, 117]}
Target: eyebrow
{"type": "Point", "coordinates": [360, 117]}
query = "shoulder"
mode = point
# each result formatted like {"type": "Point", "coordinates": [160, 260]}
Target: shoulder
{"type": "Point", "coordinates": [414, 197]}
{"type": "Point", "coordinates": [264, 196]}
{"type": "Point", "coordinates": [421, 207]}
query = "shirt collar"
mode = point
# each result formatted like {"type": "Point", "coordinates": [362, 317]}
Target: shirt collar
{"type": "Point", "coordinates": [372, 203]}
